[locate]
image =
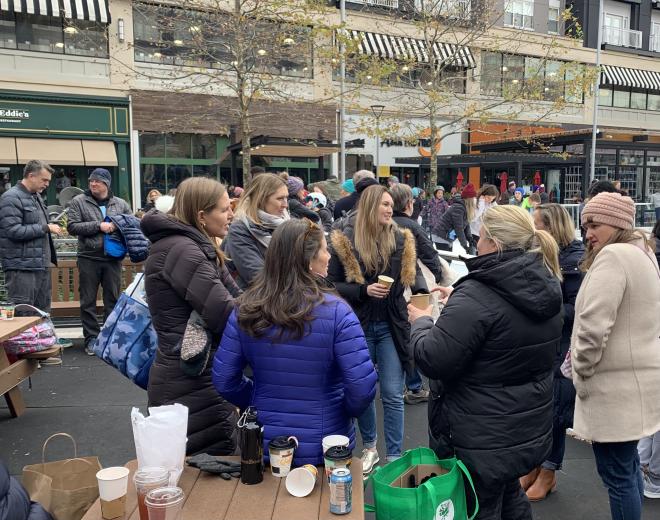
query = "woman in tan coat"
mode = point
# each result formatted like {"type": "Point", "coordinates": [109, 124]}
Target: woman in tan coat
{"type": "Point", "coordinates": [615, 348]}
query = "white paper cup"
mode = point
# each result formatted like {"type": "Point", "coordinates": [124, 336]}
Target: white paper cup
{"type": "Point", "coordinates": [334, 440]}
{"type": "Point", "coordinates": [113, 483]}
{"type": "Point", "coordinates": [300, 482]}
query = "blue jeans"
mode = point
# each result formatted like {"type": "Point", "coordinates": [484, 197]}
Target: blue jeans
{"type": "Point", "coordinates": [391, 377]}
{"type": "Point", "coordinates": [414, 381]}
{"type": "Point", "coordinates": [556, 457]}
{"type": "Point", "coordinates": [618, 467]}
{"type": "Point", "coordinates": [657, 214]}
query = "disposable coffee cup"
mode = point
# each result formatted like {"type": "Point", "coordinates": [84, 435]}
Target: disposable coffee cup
{"type": "Point", "coordinates": [334, 440]}
{"type": "Point", "coordinates": [165, 503]}
{"type": "Point", "coordinates": [336, 457]}
{"type": "Point", "coordinates": [421, 301]}
{"type": "Point", "coordinates": [145, 480]}
{"type": "Point", "coordinates": [385, 280]}
{"type": "Point", "coordinates": [113, 486]}
{"type": "Point", "coordinates": [300, 482]}
{"type": "Point", "coordinates": [280, 452]}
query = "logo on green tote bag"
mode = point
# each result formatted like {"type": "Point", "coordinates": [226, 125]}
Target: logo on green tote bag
{"type": "Point", "coordinates": [445, 511]}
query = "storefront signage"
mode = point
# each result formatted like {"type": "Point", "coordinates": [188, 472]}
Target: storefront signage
{"type": "Point", "coordinates": [13, 115]}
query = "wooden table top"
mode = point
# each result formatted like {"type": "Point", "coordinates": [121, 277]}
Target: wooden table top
{"type": "Point", "coordinates": [10, 328]}
{"type": "Point", "coordinates": [208, 497]}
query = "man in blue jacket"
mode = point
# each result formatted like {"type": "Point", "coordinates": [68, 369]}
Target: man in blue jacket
{"type": "Point", "coordinates": [87, 221]}
{"type": "Point", "coordinates": [26, 244]}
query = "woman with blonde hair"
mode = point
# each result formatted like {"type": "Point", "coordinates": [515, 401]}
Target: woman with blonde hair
{"type": "Point", "coordinates": [489, 359]}
{"type": "Point", "coordinates": [186, 277]}
{"type": "Point", "coordinates": [615, 348]}
{"type": "Point", "coordinates": [370, 245]}
{"type": "Point", "coordinates": [554, 219]}
{"type": "Point", "coordinates": [261, 209]}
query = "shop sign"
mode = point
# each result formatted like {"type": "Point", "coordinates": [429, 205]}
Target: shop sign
{"type": "Point", "coordinates": [13, 115]}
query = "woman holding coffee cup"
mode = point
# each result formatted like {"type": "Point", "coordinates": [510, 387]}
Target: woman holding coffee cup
{"type": "Point", "coordinates": [307, 351]}
{"type": "Point", "coordinates": [373, 262]}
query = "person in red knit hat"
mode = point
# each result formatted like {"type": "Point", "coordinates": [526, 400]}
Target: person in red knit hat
{"type": "Point", "coordinates": [457, 219]}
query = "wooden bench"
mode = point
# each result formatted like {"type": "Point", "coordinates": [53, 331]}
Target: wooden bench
{"type": "Point", "coordinates": [11, 375]}
{"type": "Point", "coordinates": [65, 287]}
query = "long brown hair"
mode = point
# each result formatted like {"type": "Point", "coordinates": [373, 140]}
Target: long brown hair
{"type": "Point", "coordinates": [255, 196]}
{"type": "Point", "coordinates": [373, 241]}
{"type": "Point", "coordinates": [557, 222]}
{"type": "Point", "coordinates": [197, 194]}
{"type": "Point", "coordinates": [620, 236]}
{"type": "Point", "coordinates": [285, 292]}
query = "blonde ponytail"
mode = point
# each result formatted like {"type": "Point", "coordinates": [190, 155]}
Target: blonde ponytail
{"type": "Point", "coordinates": [511, 227]}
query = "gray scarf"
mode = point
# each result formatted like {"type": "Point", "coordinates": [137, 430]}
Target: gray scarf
{"type": "Point", "coordinates": [263, 232]}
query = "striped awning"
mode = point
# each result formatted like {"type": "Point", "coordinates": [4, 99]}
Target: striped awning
{"type": "Point", "coordinates": [636, 78]}
{"type": "Point", "coordinates": [91, 10]}
{"type": "Point", "coordinates": [411, 49]}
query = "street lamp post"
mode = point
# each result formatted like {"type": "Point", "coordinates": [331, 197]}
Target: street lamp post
{"type": "Point", "coordinates": [594, 126]}
{"type": "Point", "coordinates": [377, 111]}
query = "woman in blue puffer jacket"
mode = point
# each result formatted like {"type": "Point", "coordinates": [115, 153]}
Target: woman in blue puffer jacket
{"type": "Point", "coordinates": [306, 348]}
{"type": "Point", "coordinates": [15, 503]}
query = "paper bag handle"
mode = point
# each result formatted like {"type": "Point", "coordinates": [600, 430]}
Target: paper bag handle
{"type": "Point", "coordinates": [61, 434]}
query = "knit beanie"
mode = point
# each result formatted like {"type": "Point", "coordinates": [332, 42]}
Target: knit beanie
{"type": "Point", "coordinates": [365, 183]}
{"type": "Point", "coordinates": [520, 190]}
{"type": "Point", "coordinates": [294, 184]}
{"type": "Point", "coordinates": [468, 192]}
{"type": "Point", "coordinates": [348, 186]}
{"type": "Point", "coordinates": [612, 209]}
{"type": "Point", "coordinates": [101, 174]}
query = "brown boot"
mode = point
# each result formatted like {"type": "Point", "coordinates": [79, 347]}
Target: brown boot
{"type": "Point", "coordinates": [545, 484]}
{"type": "Point", "coordinates": [527, 481]}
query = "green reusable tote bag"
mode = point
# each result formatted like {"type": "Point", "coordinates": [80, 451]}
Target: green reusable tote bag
{"type": "Point", "coordinates": [439, 498]}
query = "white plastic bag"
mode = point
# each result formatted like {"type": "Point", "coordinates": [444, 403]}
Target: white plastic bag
{"type": "Point", "coordinates": [160, 439]}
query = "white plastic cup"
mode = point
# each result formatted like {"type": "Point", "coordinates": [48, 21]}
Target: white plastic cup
{"type": "Point", "coordinates": [300, 482]}
{"type": "Point", "coordinates": [113, 486]}
{"type": "Point", "coordinates": [335, 440]}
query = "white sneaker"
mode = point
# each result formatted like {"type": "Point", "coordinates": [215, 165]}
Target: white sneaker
{"type": "Point", "coordinates": [369, 459]}
{"type": "Point", "coordinates": [651, 490]}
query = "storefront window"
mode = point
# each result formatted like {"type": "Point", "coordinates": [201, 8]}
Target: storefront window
{"type": "Point", "coordinates": [178, 145]}
{"type": "Point", "coordinates": [491, 73]}
{"type": "Point", "coordinates": [621, 97]}
{"type": "Point", "coordinates": [653, 172]}
{"type": "Point", "coordinates": [85, 38]}
{"type": "Point", "coordinates": [7, 30]}
{"type": "Point", "coordinates": [39, 33]}
{"type": "Point", "coordinates": [513, 73]}
{"type": "Point", "coordinates": [152, 145]}
{"type": "Point", "coordinates": [204, 146]}
{"type": "Point", "coordinates": [638, 99]}
{"type": "Point", "coordinates": [554, 81]}
{"type": "Point", "coordinates": [653, 100]}
{"type": "Point", "coordinates": [605, 95]}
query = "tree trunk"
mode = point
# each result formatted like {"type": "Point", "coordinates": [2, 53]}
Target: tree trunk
{"type": "Point", "coordinates": [433, 174]}
{"type": "Point", "coordinates": [245, 146]}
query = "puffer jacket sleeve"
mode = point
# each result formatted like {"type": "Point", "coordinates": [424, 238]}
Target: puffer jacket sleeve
{"type": "Point", "coordinates": [460, 224]}
{"type": "Point", "coordinates": [245, 253]}
{"type": "Point", "coordinates": [195, 279]}
{"type": "Point", "coordinates": [11, 216]}
{"type": "Point", "coordinates": [352, 356]}
{"type": "Point", "coordinates": [299, 210]}
{"type": "Point", "coordinates": [76, 224]}
{"type": "Point", "coordinates": [15, 503]}
{"type": "Point", "coordinates": [596, 316]}
{"type": "Point", "coordinates": [444, 350]}
{"type": "Point", "coordinates": [228, 366]}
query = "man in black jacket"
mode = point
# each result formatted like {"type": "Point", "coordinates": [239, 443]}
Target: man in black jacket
{"type": "Point", "coordinates": [346, 204]}
{"type": "Point", "coordinates": [87, 221]}
{"type": "Point", "coordinates": [26, 245]}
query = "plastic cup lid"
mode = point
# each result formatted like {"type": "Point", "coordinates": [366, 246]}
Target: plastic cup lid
{"type": "Point", "coordinates": [151, 475]}
{"type": "Point", "coordinates": [164, 497]}
{"type": "Point", "coordinates": [282, 442]}
{"type": "Point", "coordinates": [337, 453]}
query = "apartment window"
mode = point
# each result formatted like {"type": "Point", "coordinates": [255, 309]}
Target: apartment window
{"type": "Point", "coordinates": [624, 97]}
{"type": "Point", "coordinates": [554, 14]}
{"type": "Point", "coordinates": [621, 97]}
{"type": "Point", "coordinates": [553, 88]}
{"type": "Point", "coordinates": [638, 99]}
{"type": "Point", "coordinates": [513, 73]}
{"type": "Point", "coordinates": [605, 95]}
{"type": "Point", "coordinates": [7, 30]}
{"type": "Point", "coordinates": [519, 14]}
{"type": "Point", "coordinates": [491, 74]}
{"type": "Point", "coordinates": [653, 100]}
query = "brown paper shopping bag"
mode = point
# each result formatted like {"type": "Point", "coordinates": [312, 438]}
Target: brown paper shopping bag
{"type": "Point", "coordinates": [65, 488]}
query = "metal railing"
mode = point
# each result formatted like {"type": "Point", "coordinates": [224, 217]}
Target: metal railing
{"type": "Point", "coordinates": [622, 37]}
{"type": "Point", "coordinates": [393, 4]}
{"type": "Point", "coordinates": [654, 43]}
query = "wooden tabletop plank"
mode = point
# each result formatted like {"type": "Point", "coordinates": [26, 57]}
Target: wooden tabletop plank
{"type": "Point", "coordinates": [357, 510]}
{"type": "Point", "coordinates": [11, 328]}
{"type": "Point", "coordinates": [254, 502]}
{"type": "Point", "coordinates": [210, 498]}
{"type": "Point", "coordinates": [288, 507]}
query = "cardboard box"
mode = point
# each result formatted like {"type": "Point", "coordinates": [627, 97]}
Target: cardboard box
{"type": "Point", "coordinates": [414, 476]}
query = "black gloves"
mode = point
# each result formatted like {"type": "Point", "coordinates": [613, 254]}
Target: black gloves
{"type": "Point", "coordinates": [205, 462]}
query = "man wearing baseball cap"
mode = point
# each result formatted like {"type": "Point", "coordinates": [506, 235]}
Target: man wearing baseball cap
{"type": "Point", "coordinates": [87, 221]}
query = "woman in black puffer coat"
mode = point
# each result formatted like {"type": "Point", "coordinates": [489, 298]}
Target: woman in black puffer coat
{"type": "Point", "coordinates": [185, 272]}
{"type": "Point", "coordinates": [491, 379]}
{"type": "Point", "coordinates": [15, 502]}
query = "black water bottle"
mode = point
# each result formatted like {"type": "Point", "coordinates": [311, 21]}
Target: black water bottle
{"type": "Point", "coordinates": [251, 436]}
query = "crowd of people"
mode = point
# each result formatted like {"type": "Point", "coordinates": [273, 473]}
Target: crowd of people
{"type": "Point", "coordinates": [304, 292]}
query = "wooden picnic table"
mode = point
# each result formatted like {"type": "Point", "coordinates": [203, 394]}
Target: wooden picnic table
{"type": "Point", "coordinates": [11, 375]}
{"type": "Point", "coordinates": [208, 497]}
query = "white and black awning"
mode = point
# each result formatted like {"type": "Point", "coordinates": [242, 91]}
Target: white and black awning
{"type": "Point", "coordinates": [91, 10]}
{"type": "Point", "coordinates": [411, 49]}
{"type": "Point", "coordinates": [635, 78]}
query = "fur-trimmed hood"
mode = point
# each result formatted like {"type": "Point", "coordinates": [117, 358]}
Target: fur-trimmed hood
{"type": "Point", "coordinates": [345, 251]}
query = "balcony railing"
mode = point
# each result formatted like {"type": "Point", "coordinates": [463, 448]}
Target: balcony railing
{"type": "Point", "coordinates": [655, 42]}
{"type": "Point", "coordinates": [393, 4]}
{"type": "Point", "coordinates": [622, 37]}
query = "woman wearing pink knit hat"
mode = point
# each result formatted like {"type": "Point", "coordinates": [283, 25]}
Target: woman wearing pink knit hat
{"type": "Point", "coordinates": [615, 348]}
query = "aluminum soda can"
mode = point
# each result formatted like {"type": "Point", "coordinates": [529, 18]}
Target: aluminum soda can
{"type": "Point", "coordinates": [341, 491]}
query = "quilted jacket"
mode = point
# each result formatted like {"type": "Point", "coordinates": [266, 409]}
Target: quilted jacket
{"type": "Point", "coordinates": [15, 503]}
{"type": "Point", "coordinates": [22, 232]}
{"type": "Point", "coordinates": [136, 243]}
{"type": "Point", "coordinates": [309, 387]}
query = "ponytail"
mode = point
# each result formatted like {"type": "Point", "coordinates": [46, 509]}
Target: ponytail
{"type": "Point", "coordinates": [547, 246]}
